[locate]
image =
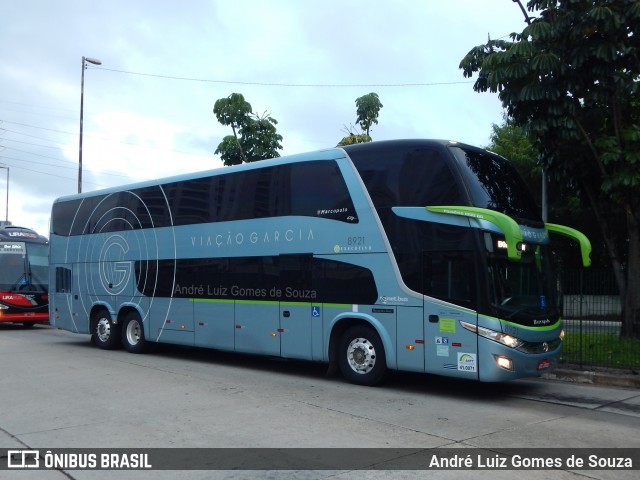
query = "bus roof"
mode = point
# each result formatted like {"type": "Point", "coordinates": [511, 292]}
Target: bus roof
{"type": "Point", "coordinates": [14, 233]}
{"type": "Point", "coordinates": [324, 154]}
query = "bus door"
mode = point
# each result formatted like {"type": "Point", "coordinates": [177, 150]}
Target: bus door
{"type": "Point", "coordinates": [450, 349]}
{"type": "Point", "coordinates": [61, 303]}
{"type": "Point", "coordinates": [297, 311]}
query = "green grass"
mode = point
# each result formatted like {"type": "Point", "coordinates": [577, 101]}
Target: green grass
{"type": "Point", "coordinates": [601, 350]}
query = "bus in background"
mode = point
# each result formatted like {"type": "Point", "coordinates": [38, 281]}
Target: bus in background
{"type": "Point", "coordinates": [414, 255]}
{"type": "Point", "coordinates": [24, 276]}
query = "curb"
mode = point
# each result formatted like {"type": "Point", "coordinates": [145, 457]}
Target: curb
{"type": "Point", "coordinates": [595, 378]}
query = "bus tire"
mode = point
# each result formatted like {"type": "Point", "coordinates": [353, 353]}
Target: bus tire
{"type": "Point", "coordinates": [106, 334]}
{"type": "Point", "coordinates": [133, 333]}
{"type": "Point", "coordinates": [361, 356]}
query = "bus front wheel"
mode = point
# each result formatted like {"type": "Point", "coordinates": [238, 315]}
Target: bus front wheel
{"type": "Point", "coordinates": [133, 333]}
{"type": "Point", "coordinates": [361, 356]}
{"type": "Point", "coordinates": [106, 334]}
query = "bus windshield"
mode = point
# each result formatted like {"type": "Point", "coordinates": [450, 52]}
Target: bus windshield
{"type": "Point", "coordinates": [493, 183]}
{"type": "Point", "coordinates": [521, 292]}
{"type": "Point", "coordinates": [23, 267]}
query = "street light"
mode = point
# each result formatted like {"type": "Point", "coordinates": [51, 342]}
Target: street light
{"type": "Point", "coordinates": [7, 211]}
{"type": "Point", "coordinates": [85, 60]}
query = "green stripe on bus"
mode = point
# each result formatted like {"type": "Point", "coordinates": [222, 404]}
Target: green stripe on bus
{"type": "Point", "coordinates": [272, 302]}
{"type": "Point", "coordinates": [535, 329]}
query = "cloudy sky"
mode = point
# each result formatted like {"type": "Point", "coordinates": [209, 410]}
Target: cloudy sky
{"type": "Point", "coordinates": [148, 107]}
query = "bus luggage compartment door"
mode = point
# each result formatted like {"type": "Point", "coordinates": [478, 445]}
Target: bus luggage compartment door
{"type": "Point", "coordinates": [256, 328]}
{"type": "Point", "coordinates": [295, 329]}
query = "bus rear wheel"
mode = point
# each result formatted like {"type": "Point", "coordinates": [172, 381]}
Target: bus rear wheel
{"type": "Point", "coordinates": [133, 333]}
{"type": "Point", "coordinates": [361, 356]}
{"type": "Point", "coordinates": [106, 334]}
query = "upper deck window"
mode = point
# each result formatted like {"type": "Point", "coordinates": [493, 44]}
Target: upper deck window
{"type": "Point", "coordinates": [310, 189]}
{"type": "Point", "coordinates": [315, 189]}
{"type": "Point", "coordinates": [413, 176]}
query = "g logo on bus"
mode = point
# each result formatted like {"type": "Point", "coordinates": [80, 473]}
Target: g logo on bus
{"type": "Point", "coordinates": [545, 347]}
{"type": "Point", "coordinates": [114, 272]}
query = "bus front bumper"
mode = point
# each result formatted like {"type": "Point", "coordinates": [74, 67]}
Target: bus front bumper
{"type": "Point", "coordinates": [502, 363]}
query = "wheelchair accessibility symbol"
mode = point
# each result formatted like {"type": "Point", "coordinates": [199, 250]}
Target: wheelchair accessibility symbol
{"type": "Point", "coordinates": [315, 311]}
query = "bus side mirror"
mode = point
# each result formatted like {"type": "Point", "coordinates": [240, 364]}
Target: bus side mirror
{"type": "Point", "coordinates": [508, 226]}
{"type": "Point", "coordinates": [572, 233]}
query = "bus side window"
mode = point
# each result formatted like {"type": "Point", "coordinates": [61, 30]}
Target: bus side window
{"type": "Point", "coordinates": [295, 271]}
{"type": "Point", "coordinates": [318, 189]}
{"type": "Point", "coordinates": [63, 280]}
{"type": "Point", "coordinates": [450, 276]}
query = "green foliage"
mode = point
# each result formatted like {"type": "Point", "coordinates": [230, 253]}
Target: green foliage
{"type": "Point", "coordinates": [254, 137]}
{"type": "Point", "coordinates": [229, 151]}
{"type": "Point", "coordinates": [601, 349]}
{"type": "Point", "coordinates": [368, 107]}
{"type": "Point", "coordinates": [353, 137]}
{"type": "Point", "coordinates": [511, 141]}
{"type": "Point", "coordinates": [572, 79]}
{"type": "Point", "coordinates": [232, 110]}
{"type": "Point", "coordinates": [260, 139]}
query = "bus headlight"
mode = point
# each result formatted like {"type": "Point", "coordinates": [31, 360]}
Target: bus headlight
{"type": "Point", "coordinates": [504, 362]}
{"type": "Point", "coordinates": [562, 334]}
{"type": "Point", "coordinates": [503, 338]}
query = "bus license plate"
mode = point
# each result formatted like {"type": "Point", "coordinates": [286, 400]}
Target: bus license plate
{"type": "Point", "coordinates": [544, 364]}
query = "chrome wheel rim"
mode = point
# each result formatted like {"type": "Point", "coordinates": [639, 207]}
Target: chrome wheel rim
{"type": "Point", "coordinates": [103, 329]}
{"type": "Point", "coordinates": [361, 355]}
{"type": "Point", "coordinates": [134, 332]}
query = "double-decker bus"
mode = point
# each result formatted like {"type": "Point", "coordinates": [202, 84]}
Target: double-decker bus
{"type": "Point", "coordinates": [414, 255]}
{"type": "Point", "coordinates": [24, 276]}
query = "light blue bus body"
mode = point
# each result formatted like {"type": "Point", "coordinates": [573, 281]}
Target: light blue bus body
{"type": "Point", "coordinates": [306, 257]}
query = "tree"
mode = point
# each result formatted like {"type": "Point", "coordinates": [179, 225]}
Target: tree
{"type": "Point", "coordinates": [571, 79]}
{"type": "Point", "coordinates": [254, 136]}
{"type": "Point", "coordinates": [367, 108]}
{"type": "Point", "coordinates": [353, 137]}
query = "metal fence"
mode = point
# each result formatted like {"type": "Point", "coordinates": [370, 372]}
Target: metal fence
{"type": "Point", "coordinates": [592, 314]}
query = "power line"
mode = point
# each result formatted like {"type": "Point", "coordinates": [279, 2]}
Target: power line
{"type": "Point", "coordinates": [46, 173]}
{"type": "Point", "coordinates": [38, 155]}
{"type": "Point", "coordinates": [105, 139]}
{"type": "Point", "coordinates": [107, 172]}
{"type": "Point", "coordinates": [276, 84]}
{"type": "Point", "coordinates": [31, 136]}
{"type": "Point", "coordinates": [35, 126]}
{"type": "Point", "coordinates": [38, 106]}
{"type": "Point", "coordinates": [40, 163]}
{"type": "Point", "coordinates": [39, 114]}
{"type": "Point", "coordinates": [73, 164]}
